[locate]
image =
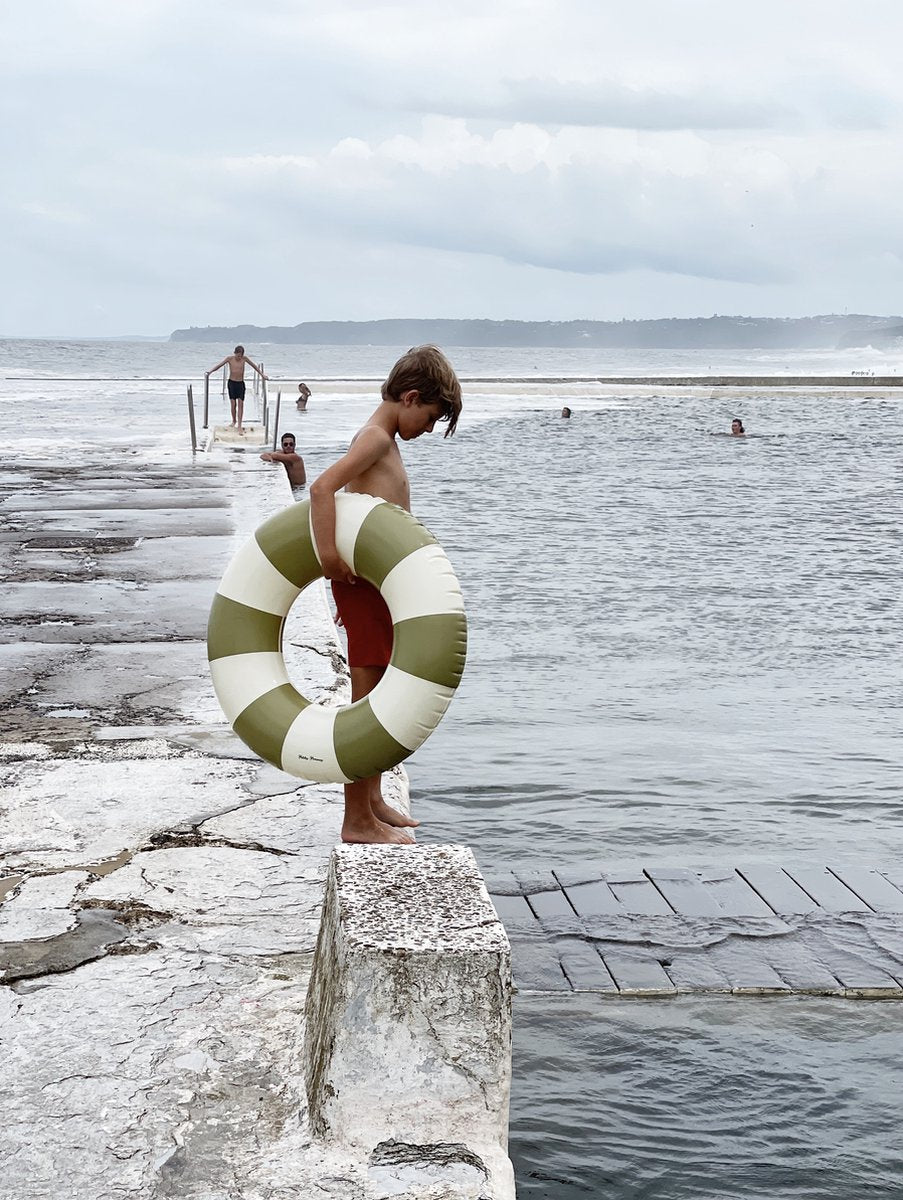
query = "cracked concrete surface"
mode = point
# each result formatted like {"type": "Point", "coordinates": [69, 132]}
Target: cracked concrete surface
{"type": "Point", "coordinates": [160, 887]}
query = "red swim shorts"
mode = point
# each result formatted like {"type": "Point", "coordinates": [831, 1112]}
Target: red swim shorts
{"type": "Point", "coordinates": [367, 622]}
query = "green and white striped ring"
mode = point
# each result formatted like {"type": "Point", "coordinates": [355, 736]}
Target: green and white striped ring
{"type": "Point", "coordinates": [391, 549]}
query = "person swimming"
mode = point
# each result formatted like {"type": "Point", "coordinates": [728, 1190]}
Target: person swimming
{"type": "Point", "coordinates": [737, 429]}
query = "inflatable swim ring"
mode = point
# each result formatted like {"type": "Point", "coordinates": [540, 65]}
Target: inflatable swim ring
{"type": "Point", "coordinates": [385, 545]}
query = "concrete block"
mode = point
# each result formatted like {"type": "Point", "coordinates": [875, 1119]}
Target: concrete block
{"type": "Point", "coordinates": [407, 1050]}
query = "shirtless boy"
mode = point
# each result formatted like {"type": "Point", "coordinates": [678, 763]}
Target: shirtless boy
{"type": "Point", "coordinates": [422, 389]}
{"type": "Point", "coordinates": [293, 463]}
{"type": "Point", "coordinates": [237, 360]}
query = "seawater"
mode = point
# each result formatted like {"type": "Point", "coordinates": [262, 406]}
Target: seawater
{"type": "Point", "coordinates": [683, 650]}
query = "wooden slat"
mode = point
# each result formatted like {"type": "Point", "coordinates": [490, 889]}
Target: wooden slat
{"type": "Point", "coordinates": [594, 900]}
{"type": "Point", "coordinates": [800, 968]}
{"type": "Point", "coordinates": [684, 891]}
{"type": "Point", "coordinates": [746, 968]}
{"type": "Point", "coordinates": [638, 894]}
{"type": "Point", "coordinates": [536, 967]}
{"type": "Point", "coordinates": [861, 964]}
{"type": "Point", "coordinates": [777, 889]}
{"type": "Point", "coordinates": [568, 875]}
{"type": "Point", "coordinates": [530, 880]}
{"type": "Point", "coordinates": [637, 974]}
{"type": "Point", "coordinates": [693, 972]}
{"type": "Point", "coordinates": [894, 873]}
{"type": "Point", "coordinates": [502, 883]}
{"type": "Point", "coordinates": [827, 890]}
{"type": "Point", "coordinates": [549, 905]}
{"type": "Point", "coordinates": [858, 976]}
{"type": "Point", "coordinates": [544, 894]}
{"type": "Point", "coordinates": [584, 968]}
{"type": "Point", "coordinates": [871, 886]}
{"type": "Point", "coordinates": [512, 908]}
{"type": "Point", "coordinates": [734, 896]}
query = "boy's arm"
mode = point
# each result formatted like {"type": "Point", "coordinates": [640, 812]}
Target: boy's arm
{"type": "Point", "coordinates": [370, 445]}
{"type": "Point", "coordinates": [218, 365]}
{"type": "Point", "coordinates": [255, 366]}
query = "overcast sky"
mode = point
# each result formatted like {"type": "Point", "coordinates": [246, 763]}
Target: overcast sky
{"type": "Point", "coordinates": [210, 162]}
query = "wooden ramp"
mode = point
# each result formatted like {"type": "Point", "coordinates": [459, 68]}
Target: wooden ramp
{"type": "Point", "coordinates": [757, 930]}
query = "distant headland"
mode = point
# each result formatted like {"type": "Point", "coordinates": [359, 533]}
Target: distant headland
{"type": "Point", "coordinates": [677, 333]}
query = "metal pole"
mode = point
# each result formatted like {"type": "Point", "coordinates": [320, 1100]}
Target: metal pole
{"type": "Point", "coordinates": [206, 399]}
{"type": "Point", "coordinates": [276, 422]}
{"type": "Point", "coordinates": [194, 437]}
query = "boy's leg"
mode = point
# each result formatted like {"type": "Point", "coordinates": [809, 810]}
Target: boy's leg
{"type": "Point", "coordinates": [241, 413]}
{"type": "Point", "coordinates": [367, 816]}
{"type": "Point", "coordinates": [364, 680]}
{"type": "Point", "coordinates": [232, 406]}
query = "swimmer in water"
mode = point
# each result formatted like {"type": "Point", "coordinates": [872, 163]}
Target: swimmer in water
{"type": "Point", "coordinates": [565, 412]}
{"type": "Point", "coordinates": [737, 429]}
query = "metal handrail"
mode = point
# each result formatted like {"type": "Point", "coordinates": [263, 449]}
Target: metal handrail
{"type": "Point", "coordinates": [194, 436]}
{"type": "Point", "coordinates": [276, 422]}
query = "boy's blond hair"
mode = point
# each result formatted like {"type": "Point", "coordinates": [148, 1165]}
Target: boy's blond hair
{"type": "Point", "coordinates": [426, 369]}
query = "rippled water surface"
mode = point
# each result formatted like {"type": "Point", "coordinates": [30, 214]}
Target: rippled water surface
{"type": "Point", "coordinates": [702, 1099]}
{"type": "Point", "coordinates": [682, 645]}
{"type": "Point", "coordinates": [684, 650]}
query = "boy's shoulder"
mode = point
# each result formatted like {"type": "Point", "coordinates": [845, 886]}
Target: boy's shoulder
{"type": "Point", "coordinates": [373, 435]}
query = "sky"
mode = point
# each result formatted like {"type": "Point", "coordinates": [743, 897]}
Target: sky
{"type": "Point", "coordinates": [170, 163]}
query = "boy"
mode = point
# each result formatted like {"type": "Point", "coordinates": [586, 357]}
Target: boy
{"type": "Point", "coordinates": [293, 463]}
{"type": "Point", "coordinates": [236, 361]}
{"type": "Point", "coordinates": [422, 389]}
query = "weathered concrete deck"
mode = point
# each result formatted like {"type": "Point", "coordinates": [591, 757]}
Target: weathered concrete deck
{"type": "Point", "coordinates": [161, 886]}
{"type": "Point", "coordinates": [761, 929]}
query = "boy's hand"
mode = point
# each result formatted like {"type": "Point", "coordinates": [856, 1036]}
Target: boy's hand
{"type": "Point", "coordinates": [338, 569]}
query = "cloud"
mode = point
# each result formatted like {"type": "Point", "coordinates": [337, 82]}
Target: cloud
{"type": "Point", "coordinates": [608, 104]}
{"type": "Point", "coordinates": [523, 158]}
{"type": "Point", "coordinates": [589, 201]}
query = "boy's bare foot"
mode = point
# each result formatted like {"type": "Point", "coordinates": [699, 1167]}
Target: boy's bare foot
{"type": "Point", "coordinates": [375, 833]}
{"type": "Point", "coordinates": [391, 816]}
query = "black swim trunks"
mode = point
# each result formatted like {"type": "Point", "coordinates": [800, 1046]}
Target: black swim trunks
{"type": "Point", "coordinates": [236, 389]}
